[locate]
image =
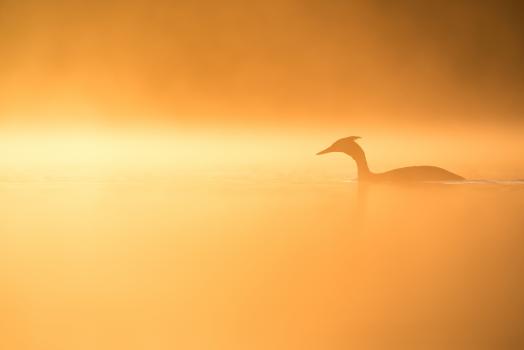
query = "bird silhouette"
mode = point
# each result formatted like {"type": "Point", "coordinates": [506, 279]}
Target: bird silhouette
{"type": "Point", "coordinates": [349, 146]}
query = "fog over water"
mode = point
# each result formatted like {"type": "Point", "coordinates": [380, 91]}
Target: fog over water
{"type": "Point", "coordinates": [258, 250]}
{"type": "Point", "coordinates": [159, 187]}
{"type": "Point", "coordinates": [272, 61]}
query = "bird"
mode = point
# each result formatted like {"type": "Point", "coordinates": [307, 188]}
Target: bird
{"type": "Point", "coordinates": [349, 146]}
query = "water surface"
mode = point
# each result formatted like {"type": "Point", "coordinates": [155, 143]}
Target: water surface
{"type": "Point", "coordinates": [258, 261]}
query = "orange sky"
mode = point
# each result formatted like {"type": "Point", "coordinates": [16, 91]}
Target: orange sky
{"type": "Point", "coordinates": [238, 63]}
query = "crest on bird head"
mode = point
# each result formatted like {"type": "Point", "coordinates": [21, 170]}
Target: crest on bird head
{"type": "Point", "coordinates": [345, 145]}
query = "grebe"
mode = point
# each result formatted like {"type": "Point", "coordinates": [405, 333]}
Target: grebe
{"type": "Point", "coordinates": [348, 146]}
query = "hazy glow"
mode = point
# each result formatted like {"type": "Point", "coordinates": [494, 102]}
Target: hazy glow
{"type": "Point", "coordinates": [240, 259]}
{"type": "Point", "coordinates": [315, 61]}
{"type": "Point", "coordinates": [227, 238]}
{"type": "Point", "coordinates": [483, 152]}
{"type": "Point", "coordinates": [159, 187]}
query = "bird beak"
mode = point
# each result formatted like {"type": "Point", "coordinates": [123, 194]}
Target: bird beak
{"type": "Point", "coordinates": [327, 150]}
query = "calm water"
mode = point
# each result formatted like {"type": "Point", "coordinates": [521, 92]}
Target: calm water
{"type": "Point", "coordinates": [259, 262]}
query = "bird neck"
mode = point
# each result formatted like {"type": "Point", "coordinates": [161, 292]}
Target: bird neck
{"type": "Point", "coordinates": [363, 168]}
{"type": "Point", "coordinates": [362, 164]}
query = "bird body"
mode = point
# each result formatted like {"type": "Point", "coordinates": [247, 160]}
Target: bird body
{"type": "Point", "coordinates": [408, 174]}
{"type": "Point", "coordinates": [418, 173]}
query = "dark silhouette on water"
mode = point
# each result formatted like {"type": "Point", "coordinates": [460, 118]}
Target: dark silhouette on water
{"type": "Point", "coordinates": [348, 146]}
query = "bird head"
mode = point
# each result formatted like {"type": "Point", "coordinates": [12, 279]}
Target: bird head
{"type": "Point", "coordinates": [346, 145]}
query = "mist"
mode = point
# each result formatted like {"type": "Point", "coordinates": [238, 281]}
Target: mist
{"type": "Point", "coordinates": [160, 186]}
{"type": "Point", "coordinates": [272, 62]}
